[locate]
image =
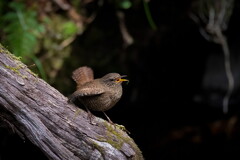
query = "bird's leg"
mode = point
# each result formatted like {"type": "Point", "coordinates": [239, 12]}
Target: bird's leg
{"type": "Point", "coordinates": [109, 120]}
{"type": "Point", "coordinates": [90, 116]}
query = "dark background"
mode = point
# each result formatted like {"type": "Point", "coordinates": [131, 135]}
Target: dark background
{"type": "Point", "coordinates": [173, 103]}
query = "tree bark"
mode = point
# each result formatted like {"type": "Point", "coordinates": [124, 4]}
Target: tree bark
{"type": "Point", "coordinates": [42, 114]}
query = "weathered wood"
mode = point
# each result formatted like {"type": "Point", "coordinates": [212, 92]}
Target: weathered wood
{"type": "Point", "coordinates": [44, 116]}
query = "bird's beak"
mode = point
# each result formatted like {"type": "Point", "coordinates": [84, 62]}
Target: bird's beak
{"type": "Point", "coordinates": [122, 79]}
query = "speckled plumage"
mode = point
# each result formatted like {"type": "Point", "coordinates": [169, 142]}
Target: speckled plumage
{"type": "Point", "coordinates": [96, 94]}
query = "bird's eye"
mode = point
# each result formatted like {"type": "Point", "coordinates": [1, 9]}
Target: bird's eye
{"type": "Point", "coordinates": [112, 79]}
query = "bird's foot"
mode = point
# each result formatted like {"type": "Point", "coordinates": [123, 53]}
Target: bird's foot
{"type": "Point", "coordinates": [91, 117]}
{"type": "Point", "coordinates": [121, 127]}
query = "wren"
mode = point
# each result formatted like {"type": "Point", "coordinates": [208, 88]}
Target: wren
{"type": "Point", "coordinates": [99, 94]}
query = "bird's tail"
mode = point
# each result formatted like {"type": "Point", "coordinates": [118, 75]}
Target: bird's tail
{"type": "Point", "coordinates": [82, 75]}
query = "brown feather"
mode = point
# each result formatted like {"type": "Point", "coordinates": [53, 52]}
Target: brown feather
{"type": "Point", "coordinates": [82, 75]}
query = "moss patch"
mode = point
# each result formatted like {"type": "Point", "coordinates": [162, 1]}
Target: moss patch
{"type": "Point", "coordinates": [4, 50]}
{"type": "Point", "coordinates": [15, 70]}
{"type": "Point", "coordinates": [120, 138]}
{"type": "Point", "coordinates": [117, 140]}
{"type": "Point", "coordinates": [17, 60]}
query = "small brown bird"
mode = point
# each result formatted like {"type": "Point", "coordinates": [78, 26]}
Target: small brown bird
{"type": "Point", "coordinates": [97, 94]}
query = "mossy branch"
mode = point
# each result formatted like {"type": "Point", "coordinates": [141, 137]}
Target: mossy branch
{"type": "Point", "coordinates": [44, 116]}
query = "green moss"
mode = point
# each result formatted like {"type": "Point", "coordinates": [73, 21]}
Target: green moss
{"type": "Point", "coordinates": [16, 70]}
{"type": "Point", "coordinates": [115, 143]}
{"type": "Point", "coordinates": [34, 74]}
{"type": "Point", "coordinates": [120, 138]}
{"type": "Point", "coordinates": [77, 113]}
{"type": "Point", "coordinates": [98, 147]}
{"type": "Point", "coordinates": [17, 60]}
{"type": "Point", "coordinates": [4, 50]}
{"type": "Point", "coordinates": [14, 57]}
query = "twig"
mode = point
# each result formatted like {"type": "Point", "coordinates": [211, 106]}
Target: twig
{"type": "Point", "coordinates": [218, 15]}
{"type": "Point", "coordinates": [127, 38]}
{"type": "Point", "coordinates": [227, 65]}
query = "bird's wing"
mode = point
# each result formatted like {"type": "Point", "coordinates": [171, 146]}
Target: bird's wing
{"type": "Point", "coordinates": [89, 92]}
{"type": "Point", "coordinates": [85, 92]}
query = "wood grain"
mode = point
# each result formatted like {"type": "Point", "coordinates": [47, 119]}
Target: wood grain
{"type": "Point", "coordinates": [43, 115]}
